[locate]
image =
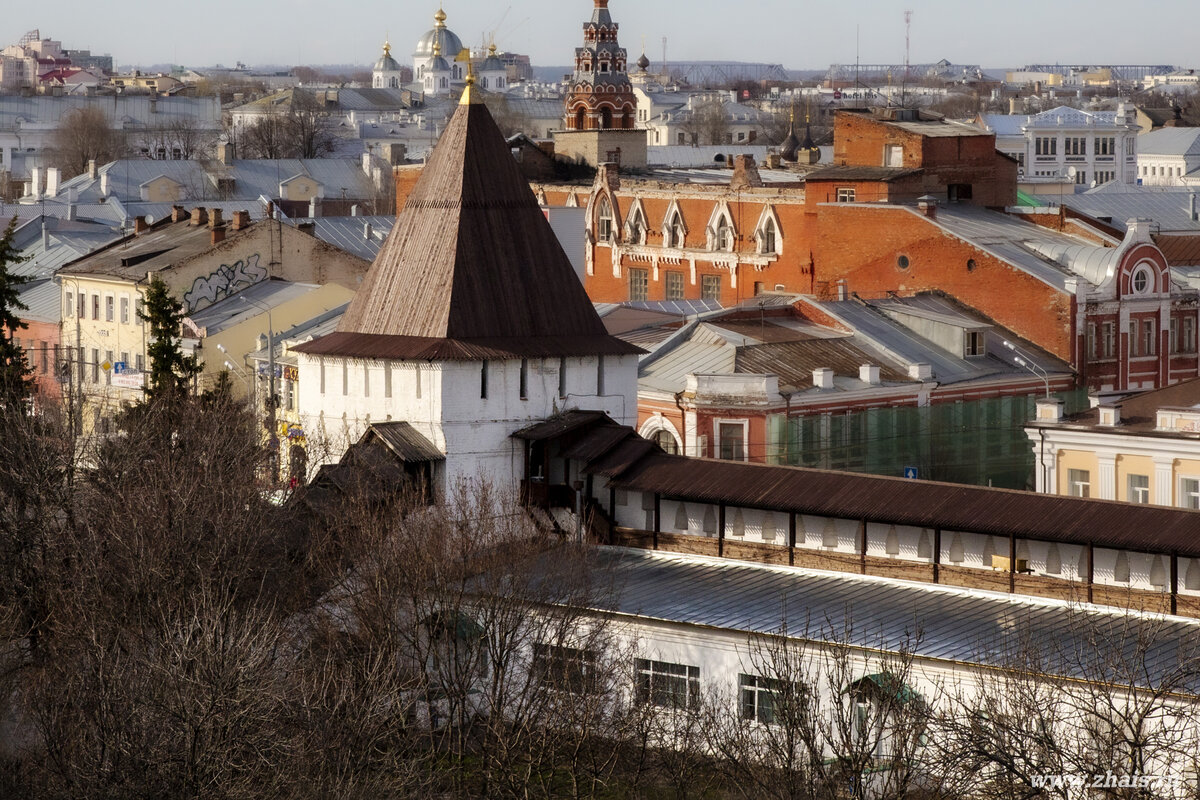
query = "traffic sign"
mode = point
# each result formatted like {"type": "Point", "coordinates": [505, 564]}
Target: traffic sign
{"type": "Point", "coordinates": [106, 366]}
{"type": "Point", "coordinates": [910, 472]}
{"type": "Point", "coordinates": [118, 367]}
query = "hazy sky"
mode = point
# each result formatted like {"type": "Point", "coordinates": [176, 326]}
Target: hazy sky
{"type": "Point", "coordinates": [796, 34]}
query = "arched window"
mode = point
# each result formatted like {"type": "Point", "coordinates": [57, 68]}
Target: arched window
{"type": "Point", "coordinates": [635, 232]}
{"type": "Point", "coordinates": [604, 221]}
{"type": "Point", "coordinates": [723, 236]}
{"type": "Point", "coordinates": [674, 236]}
{"type": "Point", "coordinates": [766, 237]}
{"type": "Point", "coordinates": [580, 118]}
{"type": "Point", "coordinates": [605, 117]}
{"type": "Point", "coordinates": [666, 440]}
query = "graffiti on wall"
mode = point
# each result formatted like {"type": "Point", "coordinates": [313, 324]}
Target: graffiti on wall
{"type": "Point", "coordinates": [226, 280]}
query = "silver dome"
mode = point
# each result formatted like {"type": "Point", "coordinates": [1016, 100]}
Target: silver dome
{"type": "Point", "coordinates": [387, 64]}
{"type": "Point", "coordinates": [448, 41]}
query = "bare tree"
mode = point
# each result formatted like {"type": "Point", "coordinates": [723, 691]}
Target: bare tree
{"type": "Point", "coordinates": [84, 135]}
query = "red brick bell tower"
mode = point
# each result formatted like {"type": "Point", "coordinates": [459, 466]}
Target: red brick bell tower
{"type": "Point", "coordinates": [600, 111]}
{"type": "Point", "coordinates": [601, 96]}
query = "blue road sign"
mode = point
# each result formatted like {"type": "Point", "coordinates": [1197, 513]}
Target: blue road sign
{"type": "Point", "coordinates": [910, 472]}
{"type": "Point", "coordinates": [118, 367]}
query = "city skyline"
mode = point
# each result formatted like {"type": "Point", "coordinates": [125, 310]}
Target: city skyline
{"type": "Point", "coordinates": [773, 31]}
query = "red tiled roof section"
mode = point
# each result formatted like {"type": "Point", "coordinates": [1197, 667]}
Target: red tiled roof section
{"type": "Point", "coordinates": [472, 258]}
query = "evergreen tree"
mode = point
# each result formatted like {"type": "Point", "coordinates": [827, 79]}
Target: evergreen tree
{"type": "Point", "coordinates": [171, 372]}
{"type": "Point", "coordinates": [14, 372]}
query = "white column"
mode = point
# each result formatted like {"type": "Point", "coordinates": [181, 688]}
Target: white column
{"type": "Point", "coordinates": [1106, 482]}
{"type": "Point", "coordinates": [1047, 474]}
{"type": "Point", "coordinates": [1164, 482]}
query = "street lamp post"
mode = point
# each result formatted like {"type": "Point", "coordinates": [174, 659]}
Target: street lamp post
{"type": "Point", "coordinates": [1029, 365]}
{"type": "Point", "coordinates": [270, 375]}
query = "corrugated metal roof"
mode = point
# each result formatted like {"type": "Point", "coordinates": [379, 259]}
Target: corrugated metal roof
{"type": "Point", "coordinates": [404, 440]}
{"type": "Point", "coordinates": [1139, 412]}
{"type": "Point", "coordinates": [901, 501]}
{"type": "Point", "coordinates": [935, 622]}
{"type": "Point", "coordinates": [794, 362]}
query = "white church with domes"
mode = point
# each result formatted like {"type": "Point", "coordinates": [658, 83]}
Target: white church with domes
{"type": "Point", "coordinates": [436, 68]}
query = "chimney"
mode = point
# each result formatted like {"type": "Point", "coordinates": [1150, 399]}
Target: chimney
{"type": "Point", "coordinates": [104, 185]}
{"type": "Point", "coordinates": [1110, 416]}
{"type": "Point", "coordinates": [241, 220]}
{"type": "Point", "coordinates": [72, 211]}
{"type": "Point", "coordinates": [314, 207]}
{"type": "Point", "coordinates": [1012, 105]}
{"type": "Point", "coordinates": [140, 226]}
{"type": "Point", "coordinates": [53, 178]}
{"type": "Point", "coordinates": [745, 173]}
{"type": "Point", "coordinates": [927, 205]}
{"type": "Point", "coordinates": [218, 234]}
{"type": "Point", "coordinates": [1192, 212]}
{"type": "Point", "coordinates": [45, 235]}
{"type": "Point", "coordinates": [226, 153]}
{"type": "Point", "coordinates": [823, 378]}
{"type": "Point", "coordinates": [1049, 410]}
{"type": "Point", "coordinates": [366, 164]}
{"type": "Point", "coordinates": [35, 180]}
{"type": "Point", "coordinates": [199, 216]}
{"type": "Point", "coordinates": [610, 176]}
{"type": "Point", "coordinates": [920, 371]}
{"type": "Point", "coordinates": [214, 218]}
{"type": "Point", "coordinates": [178, 213]}
{"type": "Point", "coordinates": [869, 374]}
{"type": "Point", "coordinates": [843, 292]}
{"type": "Point", "coordinates": [354, 211]}
{"type": "Point", "coordinates": [93, 171]}
{"type": "Point", "coordinates": [367, 231]}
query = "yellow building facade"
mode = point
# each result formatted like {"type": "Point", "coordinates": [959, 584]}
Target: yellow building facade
{"type": "Point", "coordinates": [1144, 449]}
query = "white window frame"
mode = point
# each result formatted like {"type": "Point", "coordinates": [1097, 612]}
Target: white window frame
{"type": "Point", "coordinates": [651, 674]}
{"type": "Point", "coordinates": [745, 425]}
{"type": "Point", "coordinates": [1079, 482]}
{"type": "Point", "coordinates": [1137, 494]}
{"type": "Point", "coordinates": [1189, 492]}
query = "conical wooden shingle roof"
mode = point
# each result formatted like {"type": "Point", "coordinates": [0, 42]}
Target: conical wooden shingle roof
{"type": "Point", "coordinates": [472, 268]}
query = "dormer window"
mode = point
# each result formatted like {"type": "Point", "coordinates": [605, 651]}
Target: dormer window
{"type": "Point", "coordinates": [766, 237]}
{"type": "Point", "coordinates": [635, 227]}
{"type": "Point", "coordinates": [974, 344]}
{"type": "Point", "coordinates": [724, 235]}
{"type": "Point", "coordinates": [604, 221]}
{"type": "Point", "coordinates": [675, 234]}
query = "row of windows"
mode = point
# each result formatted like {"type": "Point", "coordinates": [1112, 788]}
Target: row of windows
{"type": "Point", "coordinates": [484, 373]}
{"type": "Point", "coordinates": [1079, 484]}
{"type": "Point", "coordinates": [1166, 172]}
{"type": "Point", "coordinates": [721, 236]}
{"type": "Point", "coordinates": [1078, 145]}
{"type": "Point", "coordinates": [673, 282]}
{"type": "Point", "coordinates": [668, 685]}
{"type": "Point", "coordinates": [80, 306]}
{"type": "Point", "coordinates": [1143, 339]}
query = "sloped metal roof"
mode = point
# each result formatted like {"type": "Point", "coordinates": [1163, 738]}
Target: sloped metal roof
{"type": "Point", "coordinates": [934, 622]}
{"type": "Point", "coordinates": [1169, 207]}
{"type": "Point", "coordinates": [349, 233]}
{"type": "Point", "coordinates": [1170, 142]}
{"type": "Point", "coordinates": [43, 302]}
{"type": "Point", "coordinates": [406, 442]}
{"type": "Point", "coordinates": [924, 504]}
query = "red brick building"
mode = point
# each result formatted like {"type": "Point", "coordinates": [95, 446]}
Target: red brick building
{"type": "Point", "coordinates": [912, 204]}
